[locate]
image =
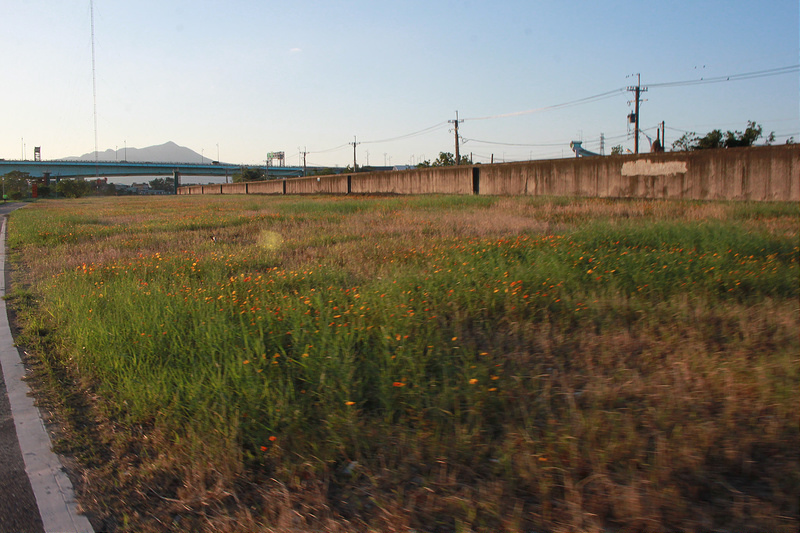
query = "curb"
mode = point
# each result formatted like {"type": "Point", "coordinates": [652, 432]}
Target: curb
{"type": "Point", "coordinates": [51, 486]}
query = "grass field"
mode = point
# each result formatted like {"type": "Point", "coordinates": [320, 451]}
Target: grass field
{"type": "Point", "coordinates": [419, 363]}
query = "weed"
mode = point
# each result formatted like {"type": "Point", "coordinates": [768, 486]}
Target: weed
{"type": "Point", "coordinates": [450, 363]}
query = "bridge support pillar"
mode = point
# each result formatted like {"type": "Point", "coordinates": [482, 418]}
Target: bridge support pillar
{"type": "Point", "coordinates": [176, 177]}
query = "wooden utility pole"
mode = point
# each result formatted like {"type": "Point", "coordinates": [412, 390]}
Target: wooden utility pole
{"type": "Point", "coordinates": [354, 143]}
{"type": "Point", "coordinates": [458, 153]}
{"type": "Point", "coordinates": [638, 89]}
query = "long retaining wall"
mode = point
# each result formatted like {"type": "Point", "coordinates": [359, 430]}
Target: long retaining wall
{"type": "Point", "coordinates": [763, 173]}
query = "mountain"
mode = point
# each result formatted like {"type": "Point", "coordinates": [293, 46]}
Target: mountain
{"type": "Point", "coordinates": [168, 152]}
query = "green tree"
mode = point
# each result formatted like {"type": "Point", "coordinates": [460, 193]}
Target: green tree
{"type": "Point", "coordinates": [445, 159]}
{"type": "Point", "coordinates": [713, 139]}
{"type": "Point", "coordinates": [162, 184]}
{"type": "Point", "coordinates": [73, 188]}
{"type": "Point", "coordinates": [16, 184]}
{"type": "Point", "coordinates": [250, 174]}
{"type": "Point", "coordinates": [751, 134]}
{"type": "Point", "coordinates": [717, 139]}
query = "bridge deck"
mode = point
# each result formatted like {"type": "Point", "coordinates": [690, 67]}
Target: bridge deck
{"type": "Point", "coordinates": [87, 169]}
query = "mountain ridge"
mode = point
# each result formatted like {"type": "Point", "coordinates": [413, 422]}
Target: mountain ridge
{"type": "Point", "coordinates": [169, 152]}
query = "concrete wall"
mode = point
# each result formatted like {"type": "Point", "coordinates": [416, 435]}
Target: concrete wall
{"type": "Point", "coordinates": [234, 188]}
{"type": "Point", "coordinates": [763, 173]}
{"type": "Point", "coordinates": [318, 185]}
{"type": "Point", "coordinates": [265, 187]}
{"type": "Point", "coordinates": [191, 189]}
{"type": "Point", "coordinates": [440, 180]}
{"type": "Point", "coordinates": [758, 173]}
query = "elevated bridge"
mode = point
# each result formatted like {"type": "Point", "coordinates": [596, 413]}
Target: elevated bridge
{"type": "Point", "coordinates": [107, 169]}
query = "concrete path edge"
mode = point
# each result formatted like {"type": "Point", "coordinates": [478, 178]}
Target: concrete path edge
{"type": "Point", "coordinates": [51, 486]}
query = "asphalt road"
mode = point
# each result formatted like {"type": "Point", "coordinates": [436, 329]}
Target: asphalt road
{"type": "Point", "coordinates": [18, 509]}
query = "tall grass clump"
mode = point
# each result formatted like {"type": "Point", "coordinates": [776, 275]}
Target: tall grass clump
{"type": "Point", "coordinates": [428, 363]}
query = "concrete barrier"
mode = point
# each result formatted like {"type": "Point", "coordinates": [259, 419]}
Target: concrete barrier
{"type": "Point", "coordinates": [191, 189]}
{"type": "Point", "coordinates": [336, 184]}
{"type": "Point", "coordinates": [438, 180]}
{"type": "Point", "coordinates": [233, 188]}
{"type": "Point", "coordinates": [762, 173]}
{"type": "Point", "coordinates": [266, 187]}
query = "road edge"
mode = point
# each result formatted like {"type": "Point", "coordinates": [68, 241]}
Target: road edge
{"type": "Point", "coordinates": [52, 488]}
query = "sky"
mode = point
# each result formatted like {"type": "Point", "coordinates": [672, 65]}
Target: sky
{"type": "Point", "coordinates": [234, 80]}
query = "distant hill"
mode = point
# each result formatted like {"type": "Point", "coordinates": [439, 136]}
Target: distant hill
{"type": "Point", "coordinates": [168, 152]}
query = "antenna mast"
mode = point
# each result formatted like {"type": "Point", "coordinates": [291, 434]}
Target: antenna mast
{"type": "Point", "coordinates": [94, 92]}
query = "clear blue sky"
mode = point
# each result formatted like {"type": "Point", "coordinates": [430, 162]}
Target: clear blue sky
{"type": "Point", "coordinates": [243, 78]}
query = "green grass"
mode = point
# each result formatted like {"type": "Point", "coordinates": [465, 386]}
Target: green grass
{"type": "Point", "coordinates": [489, 364]}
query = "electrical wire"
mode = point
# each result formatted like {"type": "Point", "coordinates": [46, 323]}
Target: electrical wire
{"type": "Point", "coordinates": [589, 99]}
{"type": "Point", "coordinates": [733, 77]}
{"type": "Point", "coordinates": [328, 150]}
{"type": "Point", "coordinates": [465, 140]}
{"type": "Point", "coordinates": [423, 131]}
{"type": "Point", "coordinates": [586, 100]}
{"type": "Point", "coordinates": [408, 135]}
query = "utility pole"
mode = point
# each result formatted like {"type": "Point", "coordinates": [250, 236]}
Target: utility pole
{"type": "Point", "coordinates": [354, 143]}
{"type": "Point", "coordinates": [638, 89]}
{"type": "Point", "coordinates": [304, 152]}
{"type": "Point", "coordinates": [455, 122]}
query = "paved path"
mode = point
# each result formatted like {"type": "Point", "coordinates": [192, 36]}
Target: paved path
{"type": "Point", "coordinates": [42, 500]}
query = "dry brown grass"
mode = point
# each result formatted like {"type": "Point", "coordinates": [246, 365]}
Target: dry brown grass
{"type": "Point", "coordinates": [637, 415]}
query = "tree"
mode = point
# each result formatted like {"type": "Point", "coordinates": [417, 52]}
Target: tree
{"type": "Point", "coordinates": [616, 150]}
{"type": "Point", "coordinates": [748, 138]}
{"type": "Point", "coordinates": [445, 159]}
{"type": "Point", "coordinates": [73, 188]}
{"type": "Point", "coordinates": [250, 174]}
{"type": "Point", "coordinates": [717, 139]}
{"type": "Point", "coordinates": [162, 184]}
{"type": "Point", "coordinates": [713, 139]}
{"type": "Point", "coordinates": [15, 184]}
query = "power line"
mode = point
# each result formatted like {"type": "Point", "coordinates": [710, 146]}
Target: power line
{"type": "Point", "coordinates": [534, 145]}
{"type": "Point", "coordinates": [423, 131]}
{"type": "Point", "coordinates": [409, 135]}
{"type": "Point", "coordinates": [330, 149]}
{"type": "Point", "coordinates": [579, 101]}
{"type": "Point", "coordinates": [732, 77]}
